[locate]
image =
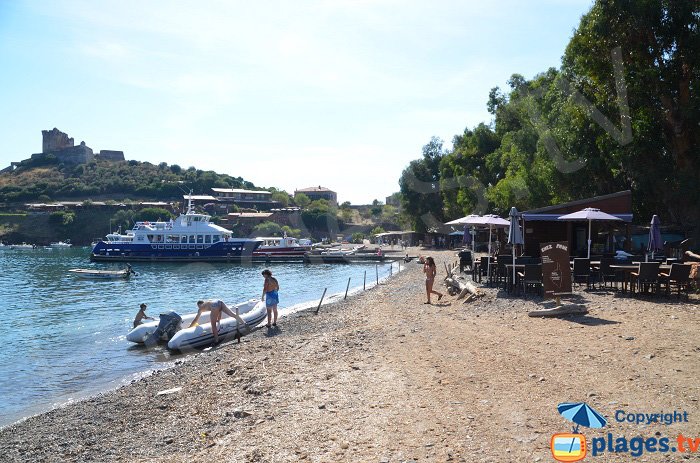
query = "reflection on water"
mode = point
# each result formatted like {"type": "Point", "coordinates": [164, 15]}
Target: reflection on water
{"type": "Point", "coordinates": [64, 336]}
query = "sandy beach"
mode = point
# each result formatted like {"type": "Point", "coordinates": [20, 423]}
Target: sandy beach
{"type": "Point", "coordinates": [384, 377]}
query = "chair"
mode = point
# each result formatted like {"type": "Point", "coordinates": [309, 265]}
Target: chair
{"type": "Point", "coordinates": [483, 266]}
{"type": "Point", "coordinates": [532, 277]}
{"type": "Point", "coordinates": [465, 260]}
{"type": "Point", "coordinates": [679, 276]}
{"type": "Point", "coordinates": [646, 278]}
{"type": "Point", "coordinates": [606, 274]}
{"type": "Point", "coordinates": [501, 270]}
{"type": "Point", "coordinates": [582, 271]}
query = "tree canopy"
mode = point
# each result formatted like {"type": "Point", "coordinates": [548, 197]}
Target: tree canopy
{"type": "Point", "coordinates": [622, 112]}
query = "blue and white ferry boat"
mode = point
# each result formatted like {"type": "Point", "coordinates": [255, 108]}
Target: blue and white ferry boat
{"type": "Point", "coordinates": [189, 238]}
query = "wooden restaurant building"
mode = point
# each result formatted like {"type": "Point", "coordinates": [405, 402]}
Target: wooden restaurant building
{"type": "Point", "coordinates": [542, 226]}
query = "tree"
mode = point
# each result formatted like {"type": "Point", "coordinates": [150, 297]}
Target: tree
{"type": "Point", "coordinates": [659, 42]}
{"type": "Point", "coordinates": [267, 229]}
{"type": "Point", "coordinates": [389, 213]}
{"type": "Point", "coordinates": [123, 219]}
{"type": "Point", "coordinates": [302, 200]}
{"type": "Point", "coordinates": [420, 187]}
{"type": "Point", "coordinates": [153, 214]}
{"type": "Point", "coordinates": [357, 237]}
{"type": "Point", "coordinates": [281, 197]}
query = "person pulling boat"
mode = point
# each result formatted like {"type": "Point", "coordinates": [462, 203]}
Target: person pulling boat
{"type": "Point", "coordinates": [215, 307]}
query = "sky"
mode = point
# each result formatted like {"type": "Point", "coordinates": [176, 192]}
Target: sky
{"type": "Point", "coordinates": [285, 94]}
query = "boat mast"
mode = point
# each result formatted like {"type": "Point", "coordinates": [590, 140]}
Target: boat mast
{"type": "Point", "coordinates": [189, 203]}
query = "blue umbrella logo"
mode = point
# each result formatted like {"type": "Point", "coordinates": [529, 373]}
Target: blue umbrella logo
{"type": "Point", "coordinates": [581, 414]}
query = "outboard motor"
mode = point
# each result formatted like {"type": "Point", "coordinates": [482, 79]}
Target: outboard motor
{"type": "Point", "coordinates": [170, 323]}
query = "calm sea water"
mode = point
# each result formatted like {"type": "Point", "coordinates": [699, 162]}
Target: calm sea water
{"type": "Point", "coordinates": [64, 337]}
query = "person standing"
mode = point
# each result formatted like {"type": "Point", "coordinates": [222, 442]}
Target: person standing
{"type": "Point", "coordinates": [430, 271]}
{"type": "Point", "coordinates": [271, 297]}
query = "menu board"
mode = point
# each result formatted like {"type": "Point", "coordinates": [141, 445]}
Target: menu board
{"type": "Point", "coordinates": [556, 273]}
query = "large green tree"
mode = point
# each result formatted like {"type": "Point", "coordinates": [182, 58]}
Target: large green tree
{"type": "Point", "coordinates": [658, 43]}
{"type": "Point", "coordinates": [420, 187]}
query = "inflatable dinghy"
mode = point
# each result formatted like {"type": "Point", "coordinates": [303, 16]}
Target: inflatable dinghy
{"type": "Point", "coordinates": [173, 328]}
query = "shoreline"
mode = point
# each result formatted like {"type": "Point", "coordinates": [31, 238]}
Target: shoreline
{"type": "Point", "coordinates": [384, 377]}
{"type": "Point", "coordinates": [130, 378]}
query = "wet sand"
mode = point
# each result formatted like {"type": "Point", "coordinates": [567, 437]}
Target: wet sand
{"type": "Point", "coordinates": [384, 377]}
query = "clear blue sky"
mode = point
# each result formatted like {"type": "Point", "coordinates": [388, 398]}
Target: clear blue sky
{"type": "Point", "coordinates": [289, 94]}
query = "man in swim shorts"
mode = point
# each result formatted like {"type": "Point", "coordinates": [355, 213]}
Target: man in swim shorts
{"type": "Point", "coordinates": [271, 297]}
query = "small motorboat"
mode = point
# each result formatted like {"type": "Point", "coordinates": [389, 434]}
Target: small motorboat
{"type": "Point", "coordinates": [103, 274]}
{"type": "Point", "coordinates": [169, 327]}
{"type": "Point", "coordinates": [60, 244]}
{"type": "Point", "coordinates": [23, 246]}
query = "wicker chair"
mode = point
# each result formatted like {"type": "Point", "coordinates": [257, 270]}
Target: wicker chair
{"type": "Point", "coordinates": [608, 275]}
{"type": "Point", "coordinates": [582, 271]}
{"type": "Point", "coordinates": [646, 278]}
{"type": "Point", "coordinates": [531, 277]}
{"type": "Point", "coordinates": [679, 276]}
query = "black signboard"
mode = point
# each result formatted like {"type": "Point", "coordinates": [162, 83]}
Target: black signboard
{"type": "Point", "coordinates": [556, 272]}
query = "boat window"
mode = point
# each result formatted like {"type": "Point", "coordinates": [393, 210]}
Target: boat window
{"type": "Point", "coordinates": [172, 239]}
{"type": "Point", "coordinates": [150, 238]}
{"type": "Point", "coordinates": [183, 239]}
{"type": "Point", "coordinates": [215, 238]}
{"type": "Point", "coordinates": [200, 239]}
{"type": "Point", "coordinates": [192, 239]}
{"type": "Point", "coordinates": [207, 239]}
{"type": "Point", "coordinates": [139, 238]}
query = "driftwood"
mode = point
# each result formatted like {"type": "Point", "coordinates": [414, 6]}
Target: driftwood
{"type": "Point", "coordinates": [459, 282]}
{"type": "Point", "coordinates": [571, 309]}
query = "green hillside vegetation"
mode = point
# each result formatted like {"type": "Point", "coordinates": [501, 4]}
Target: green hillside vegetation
{"type": "Point", "coordinates": [48, 179]}
{"type": "Point", "coordinates": [579, 131]}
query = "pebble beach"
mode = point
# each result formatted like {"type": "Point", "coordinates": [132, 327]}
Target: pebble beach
{"type": "Point", "coordinates": [383, 377]}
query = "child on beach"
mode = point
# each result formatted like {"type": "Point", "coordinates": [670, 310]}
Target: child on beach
{"type": "Point", "coordinates": [141, 315]}
{"type": "Point", "coordinates": [271, 296]}
{"type": "Point", "coordinates": [430, 271]}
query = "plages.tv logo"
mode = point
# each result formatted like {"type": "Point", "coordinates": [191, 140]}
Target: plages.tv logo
{"type": "Point", "coordinates": [572, 446]}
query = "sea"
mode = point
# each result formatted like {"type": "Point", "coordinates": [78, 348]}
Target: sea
{"type": "Point", "coordinates": [64, 337]}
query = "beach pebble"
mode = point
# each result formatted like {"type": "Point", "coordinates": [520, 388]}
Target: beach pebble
{"type": "Point", "coordinates": [240, 413]}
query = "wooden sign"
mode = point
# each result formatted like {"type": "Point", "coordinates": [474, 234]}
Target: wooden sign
{"type": "Point", "coordinates": [556, 273]}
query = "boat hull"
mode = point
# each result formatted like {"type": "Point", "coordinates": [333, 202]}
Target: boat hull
{"type": "Point", "coordinates": [201, 335]}
{"type": "Point", "coordinates": [101, 274]}
{"type": "Point", "coordinates": [228, 251]}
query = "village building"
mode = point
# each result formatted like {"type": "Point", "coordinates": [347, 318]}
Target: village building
{"type": "Point", "coordinates": [318, 192]}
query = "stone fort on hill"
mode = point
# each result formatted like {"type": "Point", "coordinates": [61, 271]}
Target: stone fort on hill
{"type": "Point", "coordinates": [63, 147]}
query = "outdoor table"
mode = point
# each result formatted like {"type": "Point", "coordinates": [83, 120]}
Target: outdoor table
{"type": "Point", "coordinates": [629, 268]}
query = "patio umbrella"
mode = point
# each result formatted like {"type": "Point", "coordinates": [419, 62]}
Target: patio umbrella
{"type": "Point", "coordinates": [655, 243]}
{"type": "Point", "coordinates": [466, 238]}
{"type": "Point", "coordinates": [589, 214]}
{"type": "Point", "coordinates": [463, 220]}
{"type": "Point", "coordinates": [515, 234]}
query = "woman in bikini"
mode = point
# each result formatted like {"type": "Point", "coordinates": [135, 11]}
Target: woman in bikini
{"type": "Point", "coordinates": [215, 307]}
{"type": "Point", "coordinates": [430, 271]}
{"type": "Point", "coordinates": [271, 296]}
